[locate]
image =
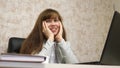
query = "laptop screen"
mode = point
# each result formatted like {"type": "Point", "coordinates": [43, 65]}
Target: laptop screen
{"type": "Point", "coordinates": [111, 52]}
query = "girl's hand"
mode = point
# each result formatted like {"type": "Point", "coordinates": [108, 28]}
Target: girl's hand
{"type": "Point", "coordinates": [47, 31]}
{"type": "Point", "coordinates": [59, 37]}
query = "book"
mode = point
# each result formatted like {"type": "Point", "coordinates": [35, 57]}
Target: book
{"type": "Point", "coordinates": [22, 58]}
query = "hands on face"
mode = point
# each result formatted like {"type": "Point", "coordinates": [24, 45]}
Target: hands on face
{"type": "Point", "coordinates": [48, 33]}
{"type": "Point", "coordinates": [59, 37]}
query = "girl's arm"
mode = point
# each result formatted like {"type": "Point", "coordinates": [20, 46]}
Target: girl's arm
{"type": "Point", "coordinates": [67, 52]}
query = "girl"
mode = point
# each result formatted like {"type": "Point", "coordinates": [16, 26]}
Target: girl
{"type": "Point", "coordinates": [48, 38]}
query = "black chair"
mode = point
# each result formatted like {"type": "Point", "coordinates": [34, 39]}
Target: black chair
{"type": "Point", "coordinates": [14, 44]}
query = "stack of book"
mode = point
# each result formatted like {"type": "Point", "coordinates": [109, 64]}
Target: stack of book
{"type": "Point", "coordinates": [22, 58]}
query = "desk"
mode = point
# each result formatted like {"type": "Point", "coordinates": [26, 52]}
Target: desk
{"type": "Point", "coordinates": [39, 65]}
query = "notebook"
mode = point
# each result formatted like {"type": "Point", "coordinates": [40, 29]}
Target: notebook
{"type": "Point", "coordinates": [22, 58]}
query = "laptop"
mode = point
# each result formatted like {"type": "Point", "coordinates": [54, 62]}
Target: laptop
{"type": "Point", "coordinates": [111, 51]}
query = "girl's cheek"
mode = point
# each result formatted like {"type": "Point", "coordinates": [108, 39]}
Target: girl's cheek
{"type": "Point", "coordinates": [58, 24]}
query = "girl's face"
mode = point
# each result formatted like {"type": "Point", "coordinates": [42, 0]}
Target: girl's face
{"type": "Point", "coordinates": [53, 25]}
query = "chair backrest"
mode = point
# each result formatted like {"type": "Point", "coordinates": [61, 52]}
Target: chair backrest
{"type": "Point", "coordinates": [14, 44]}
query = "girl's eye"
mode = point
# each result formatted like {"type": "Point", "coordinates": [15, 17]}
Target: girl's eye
{"type": "Point", "coordinates": [48, 20]}
{"type": "Point", "coordinates": [56, 20]}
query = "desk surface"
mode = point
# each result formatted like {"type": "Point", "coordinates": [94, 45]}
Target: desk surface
{"type": "Point", "coordinates": [46, 65]}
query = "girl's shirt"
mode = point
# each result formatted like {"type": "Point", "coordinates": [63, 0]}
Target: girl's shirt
{"type": "Point", "coordinates": [58, 52]}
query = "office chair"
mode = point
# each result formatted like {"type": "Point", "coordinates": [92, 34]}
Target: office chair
{"type": "Point", "coordinates": [14, 44]}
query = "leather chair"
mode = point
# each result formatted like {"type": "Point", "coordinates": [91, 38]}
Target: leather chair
{"type": "Point", "coordinates": [14, 44]}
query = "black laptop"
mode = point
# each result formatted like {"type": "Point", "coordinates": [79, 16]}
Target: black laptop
{"type": "Point", "coordinates": [111, 51]}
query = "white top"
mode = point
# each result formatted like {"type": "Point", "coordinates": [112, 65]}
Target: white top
{"type": "Point", "coordinates": [58, 52]}
{"type": "Point", "coordinates": [53, 55]}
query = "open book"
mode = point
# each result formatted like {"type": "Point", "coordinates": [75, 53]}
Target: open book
{"type": "Point", "coordinates": [22, 58]}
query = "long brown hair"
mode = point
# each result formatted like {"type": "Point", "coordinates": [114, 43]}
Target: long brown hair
{"type": "Point", "coordinates": [34, 42]}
